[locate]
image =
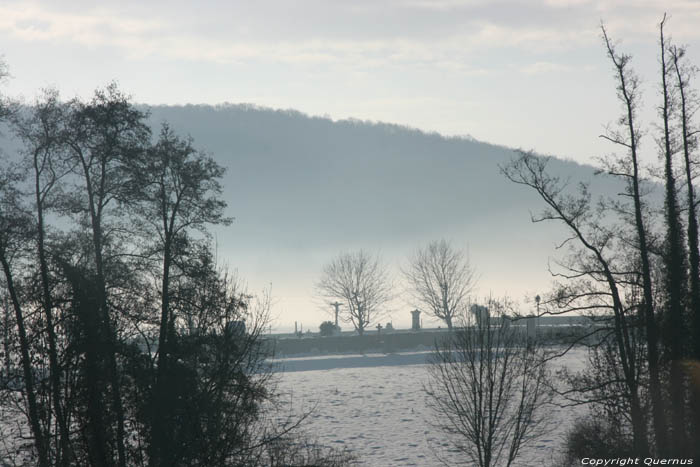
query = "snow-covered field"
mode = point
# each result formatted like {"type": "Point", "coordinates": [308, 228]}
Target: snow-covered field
{"type": "Point", "coordinates": [375, 406]}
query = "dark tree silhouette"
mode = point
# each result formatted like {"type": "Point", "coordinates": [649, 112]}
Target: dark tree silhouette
{"type": "Point", "coordinates": [627, 167]}
{"type": "Point", "coordinates": [104, 134]}
{"type": "Point", "coordinates": [42, 132]}
{"type": "Point", "coordinates": [689, 104]}
{"type": "Point", "coordinates": [675, 282]}
{"type": "Point", "coordinates": [15, 232]}
{"type": "Point", "coordinates": [327, 328]}
{"type": "Point", "coordinates": [594, 276]}
{"type": "Point", "coordinates": [172, 190]}
{"type": "Point", "coordinates": [134, 347]}
{"type": "Point", "coordinates": [622, 274]}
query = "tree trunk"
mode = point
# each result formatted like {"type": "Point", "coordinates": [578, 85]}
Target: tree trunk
{"type": "Point", "coordinates": [64, 455]}
{"type": "Point", "coordinates": [34, 418]}
{"type": "Point", "coordinates": [693, 253]}
{"type": "Point", "coordinates": [159, 438]}
{"type": "Point", "coordinates": [109, 337]}
{"type": "Point", "coordinates": [675, 271]}
{"type": "Point", "coordinates": [85, 304]}
{"type": "Point", "coordinates": [95, 211]}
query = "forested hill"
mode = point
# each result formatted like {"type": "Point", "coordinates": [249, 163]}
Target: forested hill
{"type": "Point", "coordinates": [347, 181]}
{"type": "Point", "coordinates": [329, 182]}
{"type": "Point", "coordinates": [304, 188]}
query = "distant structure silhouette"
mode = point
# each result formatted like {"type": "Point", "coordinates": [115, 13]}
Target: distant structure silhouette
{"type": "Point", "coordinates": [337, 307]}
{"type": "Point", "coordinates": [415, 314]}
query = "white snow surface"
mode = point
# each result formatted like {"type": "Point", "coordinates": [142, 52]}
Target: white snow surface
{"type": "Point", "coordinates": [375, 406]}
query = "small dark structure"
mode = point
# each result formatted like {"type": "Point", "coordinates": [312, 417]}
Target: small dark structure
{"type": "Point", "coordinates": [416, 320]}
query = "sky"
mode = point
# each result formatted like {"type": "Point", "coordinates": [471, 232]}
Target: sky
{"type": "Point", "coordinates": [529, 74]}
{"type": "Point", "coordinates": [521, 73]}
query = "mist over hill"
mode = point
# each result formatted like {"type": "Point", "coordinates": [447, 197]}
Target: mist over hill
{"type": "Point", "coordinates": [303, 189]}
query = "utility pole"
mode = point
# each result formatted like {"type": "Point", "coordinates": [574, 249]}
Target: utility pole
{"type": "Point", "coordinates": [337, 307]}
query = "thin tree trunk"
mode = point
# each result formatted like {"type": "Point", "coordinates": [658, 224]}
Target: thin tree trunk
{"type": "Point", "coordinates": [159, 440]}
{"type": "Point", "coordinates": [110, 337]}
{"type": "Point", "coordinates": [55, 375]}
{"type": "Point", "coordinates": [95, 212]}
{"type": "Point", "coordinates": [34, 418]}
{"type": "Point", "coordinates": [649, 320]}
{"type": "Point", "coordinates": [694, 255]}
{"type": "Point", "coordinates": [6, 334]}
{"type": "Point", "coordinates": [675, 270]}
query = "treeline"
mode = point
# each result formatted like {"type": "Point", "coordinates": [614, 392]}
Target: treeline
{"type": "Point", "coordinates": [635, 266]}
{"type": "Point", "coordinates": [123, 342]}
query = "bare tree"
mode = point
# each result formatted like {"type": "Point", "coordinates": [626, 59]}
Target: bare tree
{"type": "Point", "coordinates": [104, 134]}
{"type": "Point", "coordinates": [488, 389]}
{"type": "Point", "coordinates": [627, 167]}
{"type": "Point", "coordinates": [362, 282]}
{"type": "Point", "coordinates": [674, 257]}
{"type": "Point", "coordinates": [689, 101]}
{"type": "Point", "coordinates": [15, 231]}
{"type": "Point", "coordinates": [41, 131]}
{"type": "Point", "coordinates": [440, 278]}
{"type": "Point", "coordinates": [595, 276]}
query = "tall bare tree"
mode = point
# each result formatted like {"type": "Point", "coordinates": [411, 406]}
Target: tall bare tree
{"type": "Point", "coordinates": [15, 232]}
{"type": "Point", "coordinates": [628, 168]}
{"type": "Point", "coordinates": [360, 280]}
{"type": "Point", "coordinates": [104, 134]}
{"type": "Point", "coordinates": [440, 278]}
{"type": "Point", "coordinates": [689, 104]}
{"type": "Point", "coordinates": [41, 129]}
{"type": "Point", "coordinates": [674, 257]}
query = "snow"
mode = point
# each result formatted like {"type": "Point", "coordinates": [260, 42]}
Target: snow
{"type": "Point", "coordinates": [375, 406]}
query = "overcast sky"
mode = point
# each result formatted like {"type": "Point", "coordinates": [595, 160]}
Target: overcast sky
{"type": "Point", "coordinates": [530, 74]}
{"type": "Point", "coordinates": [524, 74]}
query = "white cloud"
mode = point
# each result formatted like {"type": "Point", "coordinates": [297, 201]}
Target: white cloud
{"type": "Point", "coordinates": [143, 39]}
{"type": "Point", "coordinates": [33, 23]}
{"type": "Point", "coordinates": [441, 4]}
{"type": "Point", "coordinates": [539, 68]}
{"type": "Point", "coordinates": [567, 3]}
{"type": "Point", "coordinates": [481, 34]}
